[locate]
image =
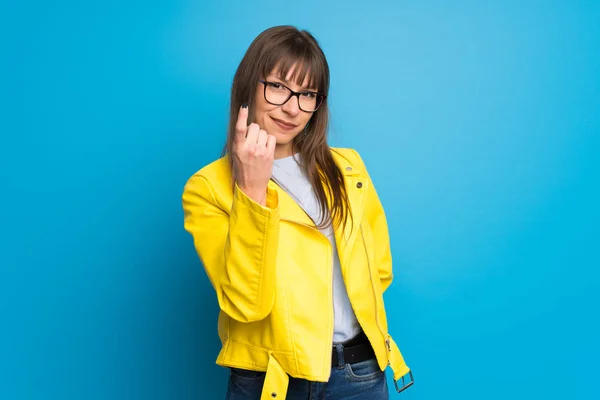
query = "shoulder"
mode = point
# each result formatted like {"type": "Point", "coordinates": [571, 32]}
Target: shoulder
{"type": "Point", "coordinates": [216, 170]}
{"type": "Point", "coordinates": [348, 157]}
{"type": "Point", "coordinates": [215, 174]}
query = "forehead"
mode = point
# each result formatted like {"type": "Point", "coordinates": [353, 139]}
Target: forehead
{"type": "Point", "coordinates": [296, 73]}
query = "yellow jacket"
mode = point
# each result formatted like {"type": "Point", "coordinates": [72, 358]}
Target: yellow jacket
{"type": "Point", "coordinates": [268, 266]}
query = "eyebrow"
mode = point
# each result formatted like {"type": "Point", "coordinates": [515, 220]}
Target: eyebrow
{"type": "Point", "coordinates": [302, 89]}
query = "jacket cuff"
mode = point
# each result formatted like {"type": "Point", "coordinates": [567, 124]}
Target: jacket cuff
{"type": "Point", "coordinates": [268, 210]}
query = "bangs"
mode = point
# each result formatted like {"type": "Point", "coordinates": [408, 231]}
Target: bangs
{"type": "Point", "coordinates": [304, 64]}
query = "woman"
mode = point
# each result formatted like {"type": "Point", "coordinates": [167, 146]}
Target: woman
{"type": "Point", "coordinates": [293, 238]}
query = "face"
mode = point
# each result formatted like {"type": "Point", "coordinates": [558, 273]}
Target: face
{"type": "Point", "coordinates": [284, 122]}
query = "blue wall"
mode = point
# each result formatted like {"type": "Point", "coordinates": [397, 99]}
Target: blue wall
{"type": "Point", "coordinates": [479, 122]}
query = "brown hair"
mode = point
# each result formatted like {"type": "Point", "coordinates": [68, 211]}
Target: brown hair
{"type": "Point", "coordinates": [281, 48]}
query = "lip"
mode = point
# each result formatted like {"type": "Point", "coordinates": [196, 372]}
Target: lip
{"type": "Point", "coordinates": [283, 125]}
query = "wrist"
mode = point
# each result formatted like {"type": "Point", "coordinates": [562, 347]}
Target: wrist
{"type": "Point", "coordinates": [257, 195]}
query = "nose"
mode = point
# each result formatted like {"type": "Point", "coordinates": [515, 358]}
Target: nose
{"type": "Point", "coordinates": [292, 106]}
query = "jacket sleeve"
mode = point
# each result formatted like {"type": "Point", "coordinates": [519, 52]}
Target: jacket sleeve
{"type": "Point", "coordinates": [375, 216]}
{"type": "Point", "coordinates": [237, 247]}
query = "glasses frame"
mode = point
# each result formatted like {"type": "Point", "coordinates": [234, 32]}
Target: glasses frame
{"type": "Point", "coordinates": [292, 94]}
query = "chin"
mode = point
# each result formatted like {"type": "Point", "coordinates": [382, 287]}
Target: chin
{"type": "Point", "coordinates": [284, 138]}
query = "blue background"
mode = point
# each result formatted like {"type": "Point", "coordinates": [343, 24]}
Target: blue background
{"type": "Point", "coordinates": [479, 122]}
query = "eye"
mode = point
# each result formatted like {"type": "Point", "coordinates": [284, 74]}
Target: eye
{"type": "Point", "coordinates": [275, 85]}
{"type": "Point", "coordinates": [309, 95]}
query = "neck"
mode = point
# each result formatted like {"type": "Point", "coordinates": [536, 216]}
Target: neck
{"type": "Point", "coordinates": [283, 150]}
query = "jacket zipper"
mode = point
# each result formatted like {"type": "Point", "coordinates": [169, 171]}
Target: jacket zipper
{"type": "Point", "coordinates": [387, 340]}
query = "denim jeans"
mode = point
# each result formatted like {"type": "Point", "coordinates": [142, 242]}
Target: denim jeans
{"type": "Point", "coordinates": [359, 381]}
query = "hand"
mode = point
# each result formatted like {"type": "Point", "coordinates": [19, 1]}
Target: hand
{"type": "Point", "coordinates": [253, 154]}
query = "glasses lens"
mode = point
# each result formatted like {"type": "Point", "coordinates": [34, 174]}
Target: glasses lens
{"type": "Point", "coordinates": [310, 101]}
{"type": "Point", "coordinates": [276, 94]}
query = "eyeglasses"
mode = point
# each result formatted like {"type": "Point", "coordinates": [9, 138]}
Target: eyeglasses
{"type": "Point", "coordinates": [278, 94]}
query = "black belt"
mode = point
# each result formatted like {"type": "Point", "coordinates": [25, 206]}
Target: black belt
{"type": "Point", "coordinates": [356, 350]}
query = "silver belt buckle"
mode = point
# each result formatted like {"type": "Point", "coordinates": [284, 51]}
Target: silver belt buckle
{"type": "Point", "coordinates": [404, 386]}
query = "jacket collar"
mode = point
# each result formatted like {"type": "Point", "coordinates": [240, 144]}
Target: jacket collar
{"type": "Point", "coordinates": [356, 186]}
